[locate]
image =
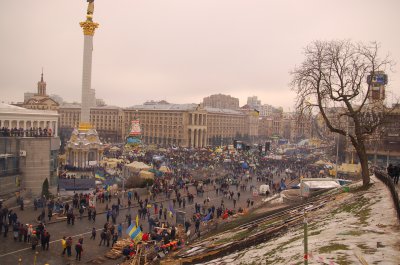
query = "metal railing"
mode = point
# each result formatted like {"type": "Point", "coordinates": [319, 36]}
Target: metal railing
{"type": "Point", "coordinates": [382, 176]}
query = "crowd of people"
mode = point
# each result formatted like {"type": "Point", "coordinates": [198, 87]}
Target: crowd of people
{"type": "Point", "coordinates": [28, 233]}
{"type": "Point", "coordinates": [207, 185]}
{"type": "Point", "coordinates": [20, 132]}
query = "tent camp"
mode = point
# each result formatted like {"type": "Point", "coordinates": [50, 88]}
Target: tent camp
{"type": "Point", "coordinates": [164, 169]}
{"type": "Point", "coordinates": [322, 163]}
{"type": "Point", "coordinates": [138, 165]}
{"type": "Point", "coordinates": [310, 185]}
{"type": "Point", "coordinates": [146, 175]}
{"type": "Point", "coordinates": [264, 189]}
{"type": "Point", "coordinates": [114, 149]}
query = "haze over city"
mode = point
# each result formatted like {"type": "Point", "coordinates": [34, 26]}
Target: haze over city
{"type": "Point", "coordinates": [181, 51]}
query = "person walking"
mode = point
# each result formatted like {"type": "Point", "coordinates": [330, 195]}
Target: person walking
{"type": "Point", "coordinates": [120, 230]}
{"type": "Point", "coordinates": [187, 226]}
{"type": "Point", "coordinates": [79, 250]}
{"type": "Point", "coordinates": [69, 246]}
{"type": "Point", "coordinates": [93, 233]}
{"type": "Point", "coordinates": [103, 237]}
{"type": "Point", "coordinates": [47, 239]}
{"type": "Point", "coordinates": [43, 240]}
{"type": "Point", "coordinates": [63, 245]}
{"type": "Point", "coordinates": [197, 226]}
{"type": "Point", "coordinates": [114, 239]}
{"type": "Point", "coordinates": [108, 237]}
{"type": "Point", "coordinates": [34, 240]}
{"type": "Point", "coordinates": [94, 215]}
{"type": "Point", "coordinates": [5, 229]}
{"type": "Point", "coordinates": [81, 211]}
{"type": "Point", "coordinates": [50, 214]}
{"type": "Point", "coordinates": [396, 174]}
{"type": "Point", "coordinates": [25, 233]}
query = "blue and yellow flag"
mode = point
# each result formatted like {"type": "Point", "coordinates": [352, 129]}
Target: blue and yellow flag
{"type": "Point", "coordinates": [99, 175]}
{"type": "Point", "coordinates": [135, 233]}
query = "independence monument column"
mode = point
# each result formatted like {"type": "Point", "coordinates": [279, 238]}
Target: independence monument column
{"type": "Point", "coordinates": [84, 149]}
{"type": "Point", "coordinates": [89, 28]}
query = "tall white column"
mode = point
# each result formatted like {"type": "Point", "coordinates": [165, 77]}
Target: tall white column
{"type": "Point", "coordinates": [201, 138]}
{"type": "Point", "coordinates": [86, 78]}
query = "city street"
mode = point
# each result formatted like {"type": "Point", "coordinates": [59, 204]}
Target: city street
{"type": "Point", "coordinates": [12, 251]}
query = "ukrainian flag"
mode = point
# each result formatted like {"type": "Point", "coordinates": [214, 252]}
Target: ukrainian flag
{"type": "Point", "coordinates": [99, 175]}
{"type": "Point", "coordinates": [135, 233]}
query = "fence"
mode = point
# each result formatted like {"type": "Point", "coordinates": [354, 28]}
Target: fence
{"type": "Point", "coordinates": [382, 176]}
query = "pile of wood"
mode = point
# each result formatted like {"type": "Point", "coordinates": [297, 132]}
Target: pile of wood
{"type": "Point", "coordinates": [116, 251]}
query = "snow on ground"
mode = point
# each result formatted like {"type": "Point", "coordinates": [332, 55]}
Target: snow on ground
{"type": "Point", "coordinates": [355, 227]}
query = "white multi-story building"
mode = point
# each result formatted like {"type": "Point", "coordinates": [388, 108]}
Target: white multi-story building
{"type": "Point", "coordinates": [29, 146]}
{"type": "Point", "coordinates": [254, 103]}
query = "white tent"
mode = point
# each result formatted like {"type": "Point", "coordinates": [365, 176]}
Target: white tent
{"type": "Point", "coordinates": [138, 165]}
{"type": "Point", "coordinates": [164, 169]}
{"type": "Point", "coordinates": [264, 189]}
{"type": "Point", "coordinates": [146, 175]}
{"type": "Point", "coordinates": [308, 185]}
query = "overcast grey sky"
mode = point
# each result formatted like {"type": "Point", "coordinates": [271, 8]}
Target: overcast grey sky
{"type": "Point", "coordinates": [181, 50]}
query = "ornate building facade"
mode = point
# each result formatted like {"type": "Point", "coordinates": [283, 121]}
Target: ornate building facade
{"type": "Point", "coordinates": [169, 124]}
{"type": "Point", "coordinates": [39, 100]}
{"type": "Point", "coordinates": [187, 125]}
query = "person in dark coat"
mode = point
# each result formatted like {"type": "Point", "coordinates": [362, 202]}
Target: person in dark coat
{"type": "Point", "coordinates": [5, 229]}
{"type": "Point", "coordinates": [93, 233]}
{"type": "Point", "coordinates": [34, 240]}
{"type": "Point", "coordinates": [390, 170]}
{"type": "Point", "coordinates": [79, 250]}
{"type": "Point", "coordinates": [396, 174]}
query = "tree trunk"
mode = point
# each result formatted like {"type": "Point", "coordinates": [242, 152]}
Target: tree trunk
{"type": "Point", "coordinates": [362, 155]}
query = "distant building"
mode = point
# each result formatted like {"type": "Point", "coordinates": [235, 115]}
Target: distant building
{"type": "Point", "coordinates": [254, 103]}
{"type": "Point", "coordinates": [29, 147]}
{"type": "Point", "coordinates": [28, 95]}
{"type": "Point", "coordinates": [40, 100]}
{"type": "Point", "coordinates": [267, 110]}
{"type": "Point", "coordinates": [106, 119]}
{"type": "Point", "coordinates": [57, 98]}
{"type": "Point", "coordinates": [225, 125]}
{"type": "Point", "coordinates": [100, 102]}
{"type": "Point", "coordinates": [377, 83]}
{"type": "Point", "coordinates": [169, 124]}
{"type": "Point", "coordinates": [152, 102]}
{"type": "Point", "coordinates": [221, 101]}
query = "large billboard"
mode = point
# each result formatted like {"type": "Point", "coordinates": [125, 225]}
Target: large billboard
{"type": "Point", "coordinates": [377, 78]}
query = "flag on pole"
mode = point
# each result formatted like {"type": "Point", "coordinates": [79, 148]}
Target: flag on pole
{"type": "Point", "coordinates": [99, 175]}
{"type": "Point", "coordinates": [207, 217]}
{"type": "Point", "coordinates": [135, 233]}
{"type": "Point", "coordinates": [171, 209]}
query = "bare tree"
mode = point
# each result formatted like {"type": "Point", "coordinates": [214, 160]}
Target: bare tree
{"type": "Point", "coordinates": [333, 79]}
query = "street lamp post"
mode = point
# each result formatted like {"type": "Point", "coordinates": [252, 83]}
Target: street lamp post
{"type": "Point", "coordinates": [305, 227]}
{"type": "Point", "coordinates": [123, 188]}
{"type": "Point", "coordinates": [337, 155]}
